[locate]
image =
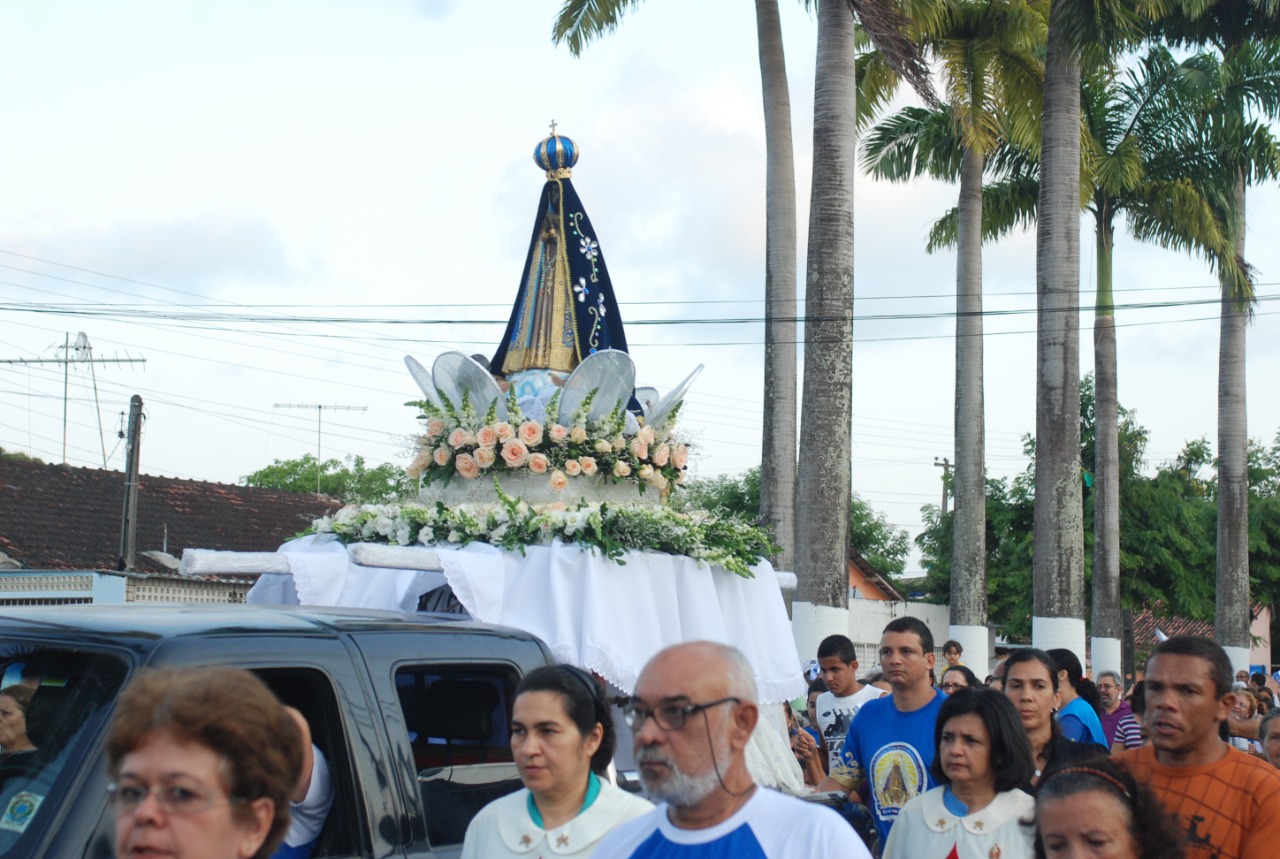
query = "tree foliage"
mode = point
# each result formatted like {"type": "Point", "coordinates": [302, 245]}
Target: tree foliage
{"type": "Point", "coordinates": [351, 480]}
{"type": "Point", "coordinates": [1168, 527]}
{"type": "Point", "coordinates": [885, 547]}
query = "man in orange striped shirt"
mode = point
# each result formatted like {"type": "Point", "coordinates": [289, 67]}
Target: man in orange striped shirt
{"type": "Point", "coordinates": [1228, 801]}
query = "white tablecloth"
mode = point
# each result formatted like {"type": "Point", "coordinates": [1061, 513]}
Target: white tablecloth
{"type": "Point", "coordinates": [612, 618]}
{"type": "Point", "coordinates": [591, 612]}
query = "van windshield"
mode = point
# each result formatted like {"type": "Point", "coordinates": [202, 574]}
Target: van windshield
{"type": "Point", "coordinates": [51, 701]}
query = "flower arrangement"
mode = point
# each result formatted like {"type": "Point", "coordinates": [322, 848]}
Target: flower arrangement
{"type": "Point", "coordinates": [512, 524]}
{"type": "Point", "coordinates": [458, 442]}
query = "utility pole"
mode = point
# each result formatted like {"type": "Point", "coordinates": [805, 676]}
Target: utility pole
{"type": "Point", "coordinates": [132, 456]}
{"type": "Point", "coordinates": [319, 421]}
{"type": "Point", "coordinates": [945, 465]}
{"type": "Point", "coordinates": [82, 349]}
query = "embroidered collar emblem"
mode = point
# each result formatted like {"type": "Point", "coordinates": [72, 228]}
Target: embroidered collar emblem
{"type": "Point", "coordinates": [526, 840]}
{"type": "Point", "coordinates": [563, 840]}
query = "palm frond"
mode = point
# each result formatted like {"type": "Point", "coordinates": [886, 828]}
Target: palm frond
{"type": "Point", "coordinates": [889, 31]}
{"type": "Point", "coordinates": [579, 22]}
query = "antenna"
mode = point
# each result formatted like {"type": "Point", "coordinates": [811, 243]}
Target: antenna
{"type": "Point", "coordinates": [83, 355]}
{"type": "Point", "coordinates": [319, 421]}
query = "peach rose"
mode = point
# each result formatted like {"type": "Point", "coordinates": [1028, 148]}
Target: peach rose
{"type": "Point", "coordinates": [505, 431]}
{"type": "Point", "coordinates": [538, 463]}
{"type": "Point", "coordinates": [639, 449]}
{"type": "Point", "coordinates": [578, 435]}
{"type": "Point", "coordinates": [460, 438]}
{"type": "Point", "coordinates": [514, 453]}
{"type": "Point", "coordinates": [558, 480]}
{"type": "Point", "coordinates": [680, 456]}
{"type": "Point", "coordinates": [442, 455]}
{"type": "Point", "coordinates": [644, 472]}
{"type": "Point", "coordinates": [660, 481]}
{"type": "Point", "coordinates": [621, 469]}
{"type": "Point", "coordinates": [485, 457]}
{"type": "Point", "coordinates": [645, 434]}
{"type": "Point", "coordinates": [572, 467]}
{"type": "Point", "coordinates": [558, 433]}
{"type": "Point", "coordinates": [435, 426]}
{"type": "Point", "coordinates": [467, 466]}
{"type": "Point", "coordinates": [589, 466]}
{"type": "Point", "coordinates": [530, 433]}
{"type": "Point", "coordinates": [487, 437]}
{"type": "Point", "coordinates": [662, 455]}
{"type": "Point", "coordinates": [603, 446]}
{"type": "Point", "coordinates": [619, 443]}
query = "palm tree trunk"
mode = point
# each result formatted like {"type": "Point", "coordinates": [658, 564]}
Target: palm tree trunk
{"type": "Point", "coordinates": [1231, 623]}
{"type": "Point", "coordinates": [1107, 622]}
{"type": "Point", "coordinates": [824, 490]}
{"type": "Point", "coordinates": [1058, 542]}
{"type": "Point", "coordinates": [778, 446]}
{"type": "Point", "coordinates": [969, 533]}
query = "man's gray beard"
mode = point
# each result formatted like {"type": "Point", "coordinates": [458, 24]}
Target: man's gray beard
{"type": "Point", "coordinates": [679, 788]}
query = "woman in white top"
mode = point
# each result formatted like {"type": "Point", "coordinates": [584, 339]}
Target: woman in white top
{"type": "Point", "coordinates": [983, 760]}
{"type": "Point", "coordinates": [562, 741]}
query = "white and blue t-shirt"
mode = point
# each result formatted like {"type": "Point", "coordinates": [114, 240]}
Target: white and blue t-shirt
{"type": "Point", "coordinates": [769, 825]}
{"type": "Point", "coordinates": [893, 750]}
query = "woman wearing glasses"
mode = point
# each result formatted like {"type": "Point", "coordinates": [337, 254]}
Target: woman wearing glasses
{"type": "Point", "coordinates": [958, 677]}
{"type": "Point", "coordinates": [979, 810]}
{"type": "Point", "coordinates": [562, 741]}
{"type": "Point", "coordinates": [202, 765]}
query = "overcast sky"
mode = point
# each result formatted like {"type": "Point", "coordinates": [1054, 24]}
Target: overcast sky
{"type": "Point", "coordinates": [194, 176]}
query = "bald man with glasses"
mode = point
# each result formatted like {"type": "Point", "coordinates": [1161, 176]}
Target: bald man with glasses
{"type": "Point", "coordinates": [693, 712]}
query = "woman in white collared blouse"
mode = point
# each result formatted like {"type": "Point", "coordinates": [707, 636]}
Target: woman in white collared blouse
{"type": "Point", "coordinates": [982, 762]}
{"type": "Point", "coordinates": [562, 741]}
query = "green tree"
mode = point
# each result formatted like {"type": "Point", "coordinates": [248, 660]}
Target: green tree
{"type": "Point", "coordinates": [870, 532]}
{"type": "Point", "coordinates": [351, 481]}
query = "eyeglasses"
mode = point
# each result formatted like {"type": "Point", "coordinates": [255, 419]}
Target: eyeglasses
{"type": "Point", "coordinates": [670, 717]}
{"type": "Point", "coordinates": [951, 687]}
{"type": "Point", "coordinates": [173, 798]}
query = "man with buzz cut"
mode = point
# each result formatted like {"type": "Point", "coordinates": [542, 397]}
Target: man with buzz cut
{"type": "Point", "coordinates": [1227, 801]}
{"type": "Point", "coordinates": [691, 717]}
{"type": "Point", "coordinates": [836, 707]}
{"type": "Point", "coordinates": [890, 746]}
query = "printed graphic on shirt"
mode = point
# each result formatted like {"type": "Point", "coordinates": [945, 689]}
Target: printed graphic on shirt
{"type": "Point", "coordinates": [898, 775]}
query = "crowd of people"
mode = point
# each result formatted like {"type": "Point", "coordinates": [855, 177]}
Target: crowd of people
{"type": "Point", "coordinates": [1037, 761]}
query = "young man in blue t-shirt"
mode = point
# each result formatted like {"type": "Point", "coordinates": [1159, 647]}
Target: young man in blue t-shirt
{"type": "Point", "coordinates": [889, 748]}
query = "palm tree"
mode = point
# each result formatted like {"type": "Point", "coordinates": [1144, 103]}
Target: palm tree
{"type": "Point", "coordinates": [987, 55]}
{"type": "Point", "coordinates": [825, 482]}
{"type": "Point", "coordinates": [1236, 29]}
{"type": "Point", "coordinates": [1058, 540]}
{"type": "Point", "coordinates": [581, 21]}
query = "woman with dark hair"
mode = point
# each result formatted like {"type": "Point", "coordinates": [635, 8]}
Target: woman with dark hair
{"type": "Point", "coordinates": [957, 677]}
{"type": "Point", "coordinates": [1031, 683]}
{"type": "Point", "coordinates": [202, 763]}
{"type": "Point", "coordinates": [1095, 808]}
{"type": "Point", "coordinates": [562, 741]}
{"type": "Point", "coordinates": [1078, 715]}
{"type": "Point", "coordinates": [978, 810]}
{"type": "Point", "coordinates": [14, 701]}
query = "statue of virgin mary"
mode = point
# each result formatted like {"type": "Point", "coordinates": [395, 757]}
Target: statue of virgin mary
{"type": "Point", "coordinates": [565, 308]}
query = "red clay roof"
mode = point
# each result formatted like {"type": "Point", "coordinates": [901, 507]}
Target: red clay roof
{"type": "Point", "coordinates": [56, 517]}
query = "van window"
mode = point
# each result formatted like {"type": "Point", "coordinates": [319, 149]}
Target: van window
{"type": "Point", "coordinates": [65, 694]}
{"type": "Point", "coordinates": [458, 720]}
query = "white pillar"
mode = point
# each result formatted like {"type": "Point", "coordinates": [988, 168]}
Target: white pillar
{"type": "Point", "coordinates": [810, 623]}
{"type": "Point", "coordinates": [975, 640]}
{"type": "Point", "coordinates": [1106, 656]}
{"type": "Point", "coordinates": [1050, 632]}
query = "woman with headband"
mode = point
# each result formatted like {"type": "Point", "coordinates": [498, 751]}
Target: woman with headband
{"type": "Point", "coordinates": [1096, 809]}
{"type": "Point", "coordinates": [562, 741]}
